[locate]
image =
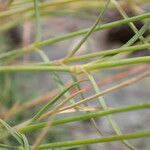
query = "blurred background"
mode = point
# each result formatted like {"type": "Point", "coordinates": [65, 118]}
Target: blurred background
{"type": "Point", "coordinates": [20, 89]}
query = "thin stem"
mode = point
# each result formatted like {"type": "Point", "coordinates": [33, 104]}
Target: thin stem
{"type": "Point", "coordinates": [8, 147]}
{"type": "Point", "coordinates": [116, 87]}
{"type": "Point", "coordinates": [82, 96]}
{"type": "Point", "coordinates": [30, 8]}
{"type": "Point", "coordinates": [117, 63]}
{"type": "Point", "coordinates": [88, 33]}
{"type": "Point", "coordinates": [102, 102]}
{"type": "Point", "coordinates": [123, 13]}
{"type": "Point", "coordinates": [30, 48]}
{"type": "Point", "coordinates": [38, 24]}
{"type": "Point", "coordinates": [76, 68]}
{"type": "Point", "coordinates": [138, 34]}
{"type": "Point", "coordinates": [97, 140]}
{"type": "Point", "coordinates": [50, 103]}
{"type": "Point", "coordinates": [59, 106]}
{"type": "Point", "coordinates": [109, 52]}
{"type": "Point", "coordinates": [38, 126]}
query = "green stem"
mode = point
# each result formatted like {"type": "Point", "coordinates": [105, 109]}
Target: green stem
{"type": "Point", "coordinates": [98, 28]}
{"type": "Point", "coordinates": [88, 33]}
{"type": "Point", "coordinates": [75, 68]}
{"type": "Point", "coordinates": [102, 102]}
{"type": "Point", "coordinates": [51, 102]}
{"type": "Point", "coordinates": [132, 26]}
{"type": "Point", "coordinates": [139, 33]}
{"type": "Point", "coordinates": [34, 68]}
{"type": "Point", "coordinates": [96, 140]}
{"type": "Point", "coordinates": [38, 24]}
{"type": "Point", "coordinates": [30, 48]}
{"type": "Point", "coordinates": [109, 52]}
{"type": "Point", "coordinates": [30, 8]}
{"type": "Point", "coordinates": [85, 116]}
{"type": "Point", "coordinates": [117, 63]}
{"type": "Point", "coordinates": [7, 146]}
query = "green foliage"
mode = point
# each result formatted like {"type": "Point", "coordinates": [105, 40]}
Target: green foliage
{"type": "Point", "coordinates": [47, 109]}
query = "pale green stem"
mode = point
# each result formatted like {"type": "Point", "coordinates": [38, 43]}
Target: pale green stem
{"type": "Point", "coordinates": [109, 52]}
{"type": "Point", "coordinates": [30, 48]}
{"type": "Point", "coordinates": [96, 140]}
{"type": "Point", "coordinates": [38, 23]}
{"type": "Point", "coordinates": [104, 106]}
{"type": "Point", "coordinates": [117, 63]}
{"type": "Point", "coordinates": [77, 47]}
{"type": "Point", "coordinates": [85, 116]}
{"type": "Point", "coordinates": [123, 13]}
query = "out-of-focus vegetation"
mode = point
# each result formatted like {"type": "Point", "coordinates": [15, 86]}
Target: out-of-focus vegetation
{"type": "Point", "coordinates": [50, 83]}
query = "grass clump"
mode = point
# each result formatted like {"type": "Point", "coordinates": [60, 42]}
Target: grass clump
{"type": "Point", "coordinates": [30, 122]}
